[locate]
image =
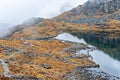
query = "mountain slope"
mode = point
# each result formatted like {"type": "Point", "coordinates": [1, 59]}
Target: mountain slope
{"type": "Point", "coordinates": [95, 15]}
{"type": "Point", "coordinates": [31, 49]}
{"type": "Point", "coordinates": [93, 12]}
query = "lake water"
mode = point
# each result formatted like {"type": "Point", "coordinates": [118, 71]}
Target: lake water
{"type": "Point", "coordinates": [107, 63]}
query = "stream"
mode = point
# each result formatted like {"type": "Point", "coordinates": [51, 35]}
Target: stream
{"type": "Point", "coordinates": [107, 63]}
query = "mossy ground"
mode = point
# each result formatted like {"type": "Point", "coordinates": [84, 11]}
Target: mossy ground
{"type": "Point", "coordinates": [41, 59]}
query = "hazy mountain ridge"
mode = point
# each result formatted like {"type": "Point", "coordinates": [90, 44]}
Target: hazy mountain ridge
{"type": "Point", "coordinates": [93, 12]}
{"type": "Point", "coordinates": [32, 21]}
{"type": "Point", "coordinates": [89, 13]}
{"type": "Point", "coordinates": [17, 28]}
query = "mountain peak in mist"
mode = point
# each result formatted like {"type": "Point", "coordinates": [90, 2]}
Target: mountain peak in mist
{"type": "Point", "coordinates": [32, 21]}
{"type": "Point", "coordinates": [4, 29]}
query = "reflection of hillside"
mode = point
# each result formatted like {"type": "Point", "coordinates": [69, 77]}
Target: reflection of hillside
{"type": "Point", "coordinates": [108, 45]}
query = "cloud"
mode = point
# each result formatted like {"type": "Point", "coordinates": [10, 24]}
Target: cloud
{"type": "Point", "coordinates": [16, 11]}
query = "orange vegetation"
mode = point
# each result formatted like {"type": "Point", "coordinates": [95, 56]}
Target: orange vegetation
{"type": "Point", "coordinates": [41, 59]}
{"type": "Point", "coordinates": [53, 28]}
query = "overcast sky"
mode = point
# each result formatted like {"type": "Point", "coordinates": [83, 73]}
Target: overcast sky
{"type": "Point", "coordinates": [16, 11]}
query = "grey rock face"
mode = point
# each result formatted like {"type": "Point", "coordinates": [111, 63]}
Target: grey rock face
{"type": "Point", "coordinates": [93, 8]}
{"type": "Point", "coordinates": [90, 20]}
{"type": "Point", "coordinates": [115, 16]}
{"type": "Point", "coordinates": [110, 6]}
{"type": "Point", "coordinates": [5, 67]}
{"type": "Point", "coordinates": [24, 78]}
{"type": "Point", "coordinates": [106, 6]}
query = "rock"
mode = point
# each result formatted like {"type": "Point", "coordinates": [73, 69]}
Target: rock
{"type": "Point", "coordinates": [24, 78]}
{"type": "Point", "coordinates": [93, 12]}
{"type": "Point", "coordinates": [12, 59]}
{"type": "Point", "coordinates": [65, 59]}
{"type": "Point", "coordinates": [45, 38]}
{"type": "Point", "coordinates": [114, 16]}
{"type": "Point", "coordinates": [89, 74]}
{"type": "Point", "coordinates": [46, 66]}
{"type": "Point", "coordinates": [41, 24]}
{"type": "Point", "coordinates": [90, 20]}
{"type": "Point", "coordinates": [6, 61]}
{"type": "Point", "coordinates": [74, 48]}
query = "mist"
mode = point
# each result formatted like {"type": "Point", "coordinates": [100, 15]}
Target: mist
{"type": "Point", "coordinates": [15, 12]}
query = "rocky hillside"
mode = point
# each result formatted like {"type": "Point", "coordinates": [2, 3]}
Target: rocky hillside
{"type": "Point", "coordinates": [93, 12]}
{"type": "Point", "coordinates": [97, 17]}
{"type": "Point", "coordinates": [42, 59]}
{"type": "Point", "coordinates": [30, 51]}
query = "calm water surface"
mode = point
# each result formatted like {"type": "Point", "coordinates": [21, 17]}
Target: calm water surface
{"type": "Point", "coordinates": [107, 63]}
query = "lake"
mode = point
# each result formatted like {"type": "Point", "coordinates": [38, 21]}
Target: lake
{"type": "Point", "coordinates": [109, 62]}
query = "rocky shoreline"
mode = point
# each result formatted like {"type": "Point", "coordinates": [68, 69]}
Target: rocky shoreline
{"type": "Point", "coordinates": [86, 72]}
{"type": "Point", "coordinates": [89, 74]}
{"type": "Point", "coordinates": [84, 66]}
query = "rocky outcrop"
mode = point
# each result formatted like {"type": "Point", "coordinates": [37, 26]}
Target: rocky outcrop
{"type": "Point", "coordinates": [93, 12]}
{"type": "Point", "coordinates": [88, 73]}
{"type": "Point", "coordinates": [5, 67]}
{"type": "Point", "coordinates": [110, 6]}
{"type": "Point", "coordinates": [40, 59]}
{"type": "Point", "coordinates": [91, 7]}
{"type": "Point", "coordinates": [90, 20]}
{"type": "Point", "coordinates": [24, 78]}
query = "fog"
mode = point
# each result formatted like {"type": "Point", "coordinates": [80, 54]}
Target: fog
{"type": "Point", "coordinates": [16, 11]}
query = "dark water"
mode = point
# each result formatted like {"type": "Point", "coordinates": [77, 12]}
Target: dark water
{"type": "Point", "coordinates": [108, 54]}
{"type": "Point", "coordinates": [104, 43]}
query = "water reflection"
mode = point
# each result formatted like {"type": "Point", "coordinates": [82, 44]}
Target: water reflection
{"type": "Point", "coordinates": [107, 63]}
{"type": "Point", "coordinates": [104, 43]}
